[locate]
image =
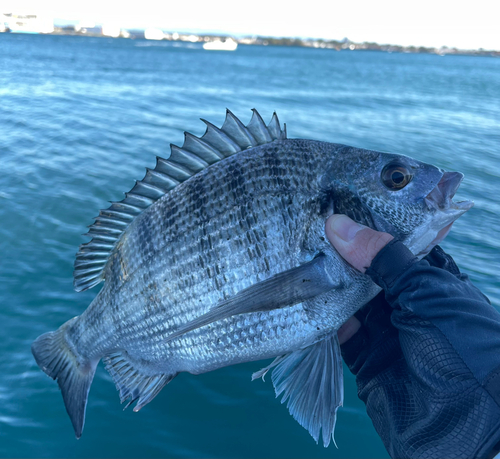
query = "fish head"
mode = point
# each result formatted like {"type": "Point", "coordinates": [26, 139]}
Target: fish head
{"type": "Point", "coordinates": [399, 195]}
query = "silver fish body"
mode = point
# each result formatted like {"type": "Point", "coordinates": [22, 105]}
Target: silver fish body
{"type": "Point", "coordinates": [232, 265]}
{"type": "Point", "coordinates": [200, 244]}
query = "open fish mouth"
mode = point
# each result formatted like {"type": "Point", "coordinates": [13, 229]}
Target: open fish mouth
{"type": "Point", "coordinates": [441, 197]}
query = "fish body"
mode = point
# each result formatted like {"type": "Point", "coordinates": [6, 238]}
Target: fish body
{"type": "Point", "coordinates": [201, 244]}
{"type": "Point", "coordinates": [219, 257]}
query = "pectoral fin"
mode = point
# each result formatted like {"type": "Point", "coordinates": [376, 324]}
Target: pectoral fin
{"type": "Point", "coordinates": [311, 382]}
{"type": "Point", "coordinates": [284, 289]}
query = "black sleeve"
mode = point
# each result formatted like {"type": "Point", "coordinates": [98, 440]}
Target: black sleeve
{"type": "Point", "coordinates": [427, 358]}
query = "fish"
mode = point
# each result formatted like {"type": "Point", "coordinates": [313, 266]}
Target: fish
{"type": "Point", "coordinates": [218, 256]}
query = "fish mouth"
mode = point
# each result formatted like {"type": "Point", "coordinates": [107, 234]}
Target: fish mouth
{"type": "Point", "coordinates": [441, 197]}
{"type": "Point", "coordinates": [440, 200]}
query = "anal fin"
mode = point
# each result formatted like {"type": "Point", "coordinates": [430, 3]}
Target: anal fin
{"type": "Point", "coordinates": [131, 383]}
{"type": "Point", "coordinates": [311, 381]}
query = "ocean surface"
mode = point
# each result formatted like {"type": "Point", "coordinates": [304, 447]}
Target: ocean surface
{"type": "Point", "coordinates": [80, 119]}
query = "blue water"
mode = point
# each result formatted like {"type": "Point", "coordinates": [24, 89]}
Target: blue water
{"type": "Point", "coordinates": [80, 119]}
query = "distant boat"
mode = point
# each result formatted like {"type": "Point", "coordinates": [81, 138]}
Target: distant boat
{"type": "Point", "coordinates": [154, 34]}
{"type": "Point", "coordinates": [218, 45]}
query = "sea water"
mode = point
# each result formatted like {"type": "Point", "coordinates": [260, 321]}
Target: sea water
{"type": "Point", "coordinates": [80, 119]}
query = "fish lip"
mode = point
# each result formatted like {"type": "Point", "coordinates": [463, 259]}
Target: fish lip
{"type": "Point", "coordinates": [437, 240]}
{"type": "Point", "coordinates": [441, 196]}
{"type": "Point", "coordinates": [440, 201]}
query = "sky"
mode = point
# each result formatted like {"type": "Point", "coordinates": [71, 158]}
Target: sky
{"type": "Point", "coordinates": [433, 23]}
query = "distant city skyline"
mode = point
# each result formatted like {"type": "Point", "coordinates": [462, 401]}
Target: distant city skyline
{"type": "Point", "coordinates": [425, 23]}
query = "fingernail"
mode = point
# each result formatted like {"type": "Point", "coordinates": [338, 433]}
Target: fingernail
{"type": "Point", "coordinates": [344, 227]}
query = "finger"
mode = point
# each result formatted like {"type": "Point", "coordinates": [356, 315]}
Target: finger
{"type": "Point", "coordinates": [348, 330]}
{"type": "Point", "coordinates": [356, 243]}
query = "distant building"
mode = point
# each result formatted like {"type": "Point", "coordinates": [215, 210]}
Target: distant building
{"type": "Point", "coordinates": [88, 28]}
{"type": "Point", "coordinates": [27, 23]}
{"type": "Point", "coordinates": [81, 25]}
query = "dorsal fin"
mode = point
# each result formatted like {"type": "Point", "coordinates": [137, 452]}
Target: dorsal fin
{"type": "Point", "coordinates": [195, 155]}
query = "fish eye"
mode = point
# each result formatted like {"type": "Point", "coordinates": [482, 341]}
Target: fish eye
{"type": "Point", "coordinates": [395, 176]}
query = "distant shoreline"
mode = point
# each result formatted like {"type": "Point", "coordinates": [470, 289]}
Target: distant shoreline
{"type": "Point", "coordinates": [335, 45]}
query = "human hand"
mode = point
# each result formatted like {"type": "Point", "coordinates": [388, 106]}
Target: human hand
{"type": "Point", "coordinates": [358, 245]}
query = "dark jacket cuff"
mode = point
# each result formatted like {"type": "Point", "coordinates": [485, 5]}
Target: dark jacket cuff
{"type": "Point", "coordinates": [392, 261]}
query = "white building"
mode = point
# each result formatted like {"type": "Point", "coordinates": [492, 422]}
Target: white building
{"type": "Point", "coordinates": [27, 23]}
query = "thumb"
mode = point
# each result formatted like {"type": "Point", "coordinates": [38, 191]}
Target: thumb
{"type": "Point", "coordinates": [356, 243]}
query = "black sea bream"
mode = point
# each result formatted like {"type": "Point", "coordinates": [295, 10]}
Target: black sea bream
{"type": "Point", "coordinates": [218, 256]}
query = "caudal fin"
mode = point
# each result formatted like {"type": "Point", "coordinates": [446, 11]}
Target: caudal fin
{"type": "Point", "coordinates": [74, 374]}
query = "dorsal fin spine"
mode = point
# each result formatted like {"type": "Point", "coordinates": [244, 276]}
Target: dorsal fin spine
{"type": "Point", "coordinates": [112, 222]}
{"type": "Point", "coordinates": [138, 200]}
{"type": "Point", "coordinates": [104, 231]}
{"type": "Point", "coordinates": [100, 225]}
{"type": "Point", "coordinates": [96, 245]}
{"type": "Point", "coordinates": [159, 179]}
{"type": "Point", "coordinates": [237, 131]}
{"type": "Point", "coordinates": [122, 207]}
{"type": "Point", "coordinates": [258, 128]}
{"type": "Point", "coordinates": [94, 254]}
{"type": "Point", "coordinates": [201, 148]}
{"type": "Point", "coordinates": [220, 140]}
{"type": "Point", "coordinates": [174, 170]}
{"type": "Point", "coordinates": [274, 126]}
{"type": "Point", "coordinates": [187, 159]}
{"type": "Point", "coordinates": [195, 155]}
{"type": "Point", "coordinates": [99, 237]}
{"type": "Point", "coordinates": [115, 215]}
{"type": "Point", "coordinates": [147, 190]}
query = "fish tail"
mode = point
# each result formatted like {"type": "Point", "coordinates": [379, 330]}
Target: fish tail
{"type": "Point", "coordinates": [57, 357]}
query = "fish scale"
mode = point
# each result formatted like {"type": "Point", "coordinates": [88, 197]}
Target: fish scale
{"type": "Point", "coordinates": [218, 256]}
